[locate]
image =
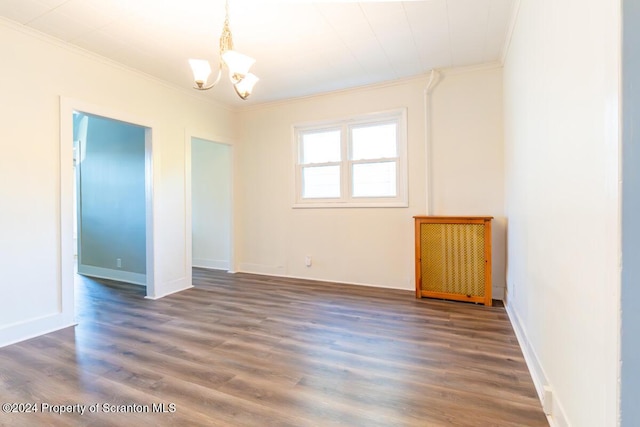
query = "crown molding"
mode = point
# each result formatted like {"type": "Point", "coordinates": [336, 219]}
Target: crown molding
{"type": "Point", "coordinates": [421, 78]}
{"type": "Point", "coordinates": [31, 32]}
{"type": "Point", "coordinates": [453, 71]}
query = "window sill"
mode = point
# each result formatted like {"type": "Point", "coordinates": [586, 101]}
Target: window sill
{"type": "Point", "coordinates": [331, 205]}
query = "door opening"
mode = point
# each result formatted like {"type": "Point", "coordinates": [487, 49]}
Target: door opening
{"type": "Point", "coordinates": [109, 157]}
{"type": "Point", "coordinates": [211, 208]}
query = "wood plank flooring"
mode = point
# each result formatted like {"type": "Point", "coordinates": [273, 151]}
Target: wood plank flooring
{"type": "Point", "coordinates": [247, 350]}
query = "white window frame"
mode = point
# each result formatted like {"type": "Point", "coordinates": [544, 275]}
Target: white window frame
{"type": "Point", "coordinates": [346, 200]}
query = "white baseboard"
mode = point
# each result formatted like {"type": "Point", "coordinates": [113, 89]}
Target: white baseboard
{"type": "Point", "coordinates": [214, 264]}
{"type": "Point", "coordinates": [175, 286]}
{"type": "Point", "coordinates": [17, 332]}
{"type": "Point", "coordinates": [108, 273]}
{"type": "Point", "coordinates": [262, 272]}
{"type": "Point", "coordinates": [556, 417]}
{"type": "Point", "coordinates": [155, 297]}
{"type": "Point", "coordinates": [213, 268]}
{"type": "Point", "coordinates": [261, 269]}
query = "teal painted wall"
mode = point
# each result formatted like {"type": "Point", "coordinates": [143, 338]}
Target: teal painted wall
{"type": "Point", "coordinates": [112, 213]}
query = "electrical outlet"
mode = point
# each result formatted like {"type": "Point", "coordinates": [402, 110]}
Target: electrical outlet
{"type": "Point", "coordinates": [307, 260]}
{"type": "Point", "coordinates": [119, 262]}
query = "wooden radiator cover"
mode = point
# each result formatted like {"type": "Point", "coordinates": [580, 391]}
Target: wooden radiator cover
{"type": "Point", "coordinates": [453, 258]}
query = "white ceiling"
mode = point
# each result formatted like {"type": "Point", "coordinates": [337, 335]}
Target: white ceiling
{"type": "Point", "coordinates": [301, 47]}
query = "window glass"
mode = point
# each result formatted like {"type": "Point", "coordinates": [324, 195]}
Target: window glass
{"type": "Point", "coordinates": [321, 147]}
{"type": "Point", "coordinates": [321, 182]}
{"type": "Point", "coordinates": [374, 142]}
{"type": "Point", "coordinates": [352, 162]}
{"type": "Point", "coordinates": [374, 179]}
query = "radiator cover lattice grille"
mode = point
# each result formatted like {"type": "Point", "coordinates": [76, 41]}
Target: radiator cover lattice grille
{"type": "Point", "coordinates": [453, 258]}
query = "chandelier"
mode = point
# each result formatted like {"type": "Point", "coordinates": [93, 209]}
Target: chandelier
{"type": "Point", "coordinates": [237, 64]}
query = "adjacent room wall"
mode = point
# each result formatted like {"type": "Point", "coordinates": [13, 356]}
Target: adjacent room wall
{"type": "Point", "coordinates": [561, 81]}
{"type": "Point", "coordinates": [630, 291]}
{"type": "Point", "coordinates": [372, 246]}
{"type": "Point", "coordinates": [112, 218]}
{"type": "Point", "coordinates": [211, 204]}
{"type": "Point", "coordinates": [36, 72]}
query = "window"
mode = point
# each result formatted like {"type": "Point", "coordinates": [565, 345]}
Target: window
{"type": "Point", "coordinates": [353, 162]}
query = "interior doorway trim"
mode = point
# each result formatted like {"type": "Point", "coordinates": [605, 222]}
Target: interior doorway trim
{"type": "Point", "coordinates": [190, 134]}
{"type": "Point", "coordinates": [66, 270]}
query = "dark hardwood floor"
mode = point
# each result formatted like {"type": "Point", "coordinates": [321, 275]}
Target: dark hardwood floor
{"type": "Point", "coordinates": [246, 350]}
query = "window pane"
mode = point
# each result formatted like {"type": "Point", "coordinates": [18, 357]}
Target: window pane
{"type": "Point", "coordinates": [374, 142]}
{"type": "Point", "coordinates": [374, 179]}
{"type": "Point", "coordinates": [321, 182]}
{"type": "Point", "coordinates": [321, 147]}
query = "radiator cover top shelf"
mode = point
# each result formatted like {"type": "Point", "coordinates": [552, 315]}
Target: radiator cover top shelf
{"type": "Point", "coordinates": [453, 258]}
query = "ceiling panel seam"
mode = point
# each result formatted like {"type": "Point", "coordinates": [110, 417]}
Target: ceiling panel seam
{"type": "Point", "coordinates": [450, 35]}
{"type": "Point", "coordinates": [413, 38]}
{"type": "Point", "coordinates": [380, 45]}
{"type": "Point", "coordinates": [47, 12]}
{"type": "Point", "coordinates": [335, 31]}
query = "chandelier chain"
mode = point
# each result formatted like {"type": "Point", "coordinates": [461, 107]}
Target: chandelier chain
{"type": "Point", "coordinates": [226, 40]}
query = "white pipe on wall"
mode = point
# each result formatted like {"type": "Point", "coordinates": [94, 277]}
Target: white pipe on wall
{"type": "Point", "coordinates": [433, 77]}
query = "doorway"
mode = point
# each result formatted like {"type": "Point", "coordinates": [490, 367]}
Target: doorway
{"type": "Point", "coordinates": [71, 112]}
{"type": "Point", "coordinates": [110, 232]}
{"type": "Point", "coordinates": [211, 204]}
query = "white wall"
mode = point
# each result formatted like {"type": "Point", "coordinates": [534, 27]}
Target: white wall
{"type": "Point", "coordinates": [561, 80]}
{"type": "Point", "coordinates": [211, 204]}
{"type": "Point", "coordinates": [372, 246]}
{"type": "Point", "coordinates": [35, 73]}
{"type": "Point", "coordinates": [467, 154]}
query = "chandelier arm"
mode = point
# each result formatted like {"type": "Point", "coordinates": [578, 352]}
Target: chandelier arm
{"type": "Point", "coordinates": [214, 83]}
